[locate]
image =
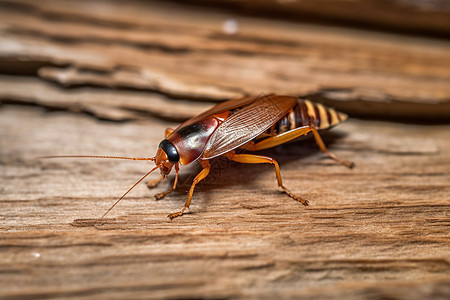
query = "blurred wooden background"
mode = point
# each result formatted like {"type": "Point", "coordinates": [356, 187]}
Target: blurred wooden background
{"type": "Point", "coordinates": [107, 77]}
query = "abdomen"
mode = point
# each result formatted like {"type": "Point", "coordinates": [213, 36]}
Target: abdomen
{"type": "Point", "coordinates": [307, 113]}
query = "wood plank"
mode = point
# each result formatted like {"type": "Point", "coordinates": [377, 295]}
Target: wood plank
{"type": "Point", "coordinates": [381, 229]}
{"type": "Point", "coordinates": [190, 56]}
{"type": "Point", "coordinates": [407, 16]}
{"type": "Point", "coordinates": [108, 77]}
{"type": "Point", "coordinates": [115, 105]}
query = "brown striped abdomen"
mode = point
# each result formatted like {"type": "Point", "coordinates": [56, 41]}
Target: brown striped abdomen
{"type": "Point", "coordinates": [307, 113]}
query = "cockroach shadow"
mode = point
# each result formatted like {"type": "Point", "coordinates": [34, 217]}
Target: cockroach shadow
{"type": "Point", "coordinates": [226, 173]}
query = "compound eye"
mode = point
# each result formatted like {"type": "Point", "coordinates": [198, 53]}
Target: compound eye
{"type": "Point", "coordinates": [170, 150]}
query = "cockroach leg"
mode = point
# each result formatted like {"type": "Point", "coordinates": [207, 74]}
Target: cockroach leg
{"type": "Point", "coordinates": [324, 149]}
{"type": "Point", "coordinates": [200, 176]}
{"type": "Point", "coordinates": [153, 183]}
{"type": "Point", "coordinates": [163, 194]}
{"type": "Point", "coordinates": [278, 139]}
{"type": "Point", "coordinates": [291, 135]}
{"type": "Point", "coordinates": [259, 159]}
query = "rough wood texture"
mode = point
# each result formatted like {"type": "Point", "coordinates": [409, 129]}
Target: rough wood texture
{"type": "Point", "coordinates": [190, 56]}
{"type": "Point", "coordinates": [381, 230]}
{"type": "Point", "coordinates": [407, 16]}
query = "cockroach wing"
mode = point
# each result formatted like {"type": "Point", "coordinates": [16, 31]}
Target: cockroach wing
{"type": "Point", "coordinates": [224, 106]}
{"type": "Point", "coordinates": [247, 123]}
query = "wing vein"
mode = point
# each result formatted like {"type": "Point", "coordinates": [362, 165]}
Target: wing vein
{"type": "Point", "coordinates": [247, 123]}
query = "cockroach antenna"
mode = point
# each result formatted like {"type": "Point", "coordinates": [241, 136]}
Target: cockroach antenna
{"type": "Point", "coordinates": [109, 157]}
{"type": "Point", "coordinates": [250, 124]}
{"type": "Point", "coordinates": [134, 185]}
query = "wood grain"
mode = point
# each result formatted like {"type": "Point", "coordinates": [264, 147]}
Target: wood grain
{"type": "Point", "coordinates": [108, 77]}
{"type": "Point", "coordinates": [134, 46]}
{"type": "Point", "coordinates": [381, 229]}
{"type": "Point", "coordinates": [406, 16]}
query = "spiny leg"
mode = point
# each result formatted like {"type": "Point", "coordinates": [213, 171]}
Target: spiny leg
{"type": "Point", "coordinates": [278, 139]}
{"type": "Point", "coordinates": [163, 194]}
{"type": "Point", "coordinates": [293, 134]}
{"type": "Point", "coordinates": [324, 149]}
{"type": "Point", "coordinates": [259, 159]}
{"type": "Point", "coordinates": [200, 176]}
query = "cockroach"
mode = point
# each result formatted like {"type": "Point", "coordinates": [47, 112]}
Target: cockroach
{"type": "Point", "coordinates": [249, 124]}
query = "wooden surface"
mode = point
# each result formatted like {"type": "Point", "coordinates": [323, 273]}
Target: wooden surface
{"type": "Point", "coordinates": [135, 50]}
{"type": "Point", "coordinates": [407, 16]}
{"type": "Point", "coordinates": [109, 80]}
{"type": "Point", "coordinates": [379, 230]}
